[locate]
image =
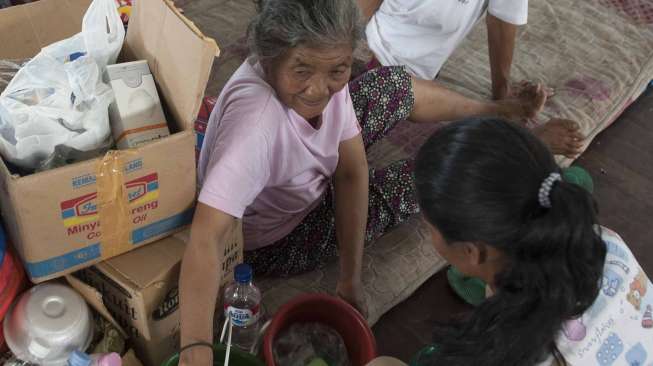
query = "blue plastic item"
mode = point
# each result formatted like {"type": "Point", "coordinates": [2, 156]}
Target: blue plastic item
{"type": "Point", "coordinates": [3, 244]}
{"type": "Point", "coordinates": [243, 273]}
{"type": "Point", "coordinates": [78, 358]}
{"type": "Point", "coordinates": [75, 55]}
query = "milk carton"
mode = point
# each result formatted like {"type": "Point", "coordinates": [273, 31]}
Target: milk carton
{"type": "Point", "coordinates": [136, 115]}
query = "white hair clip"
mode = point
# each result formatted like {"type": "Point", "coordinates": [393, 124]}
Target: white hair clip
{"type": "Point", "coordinates": [544, 195]}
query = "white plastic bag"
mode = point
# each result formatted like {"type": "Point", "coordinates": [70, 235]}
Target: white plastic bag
{"type": "Point", "coordinates": [58, 98]}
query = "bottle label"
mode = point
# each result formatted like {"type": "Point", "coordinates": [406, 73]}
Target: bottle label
{"type": "Point", "coordinates": [242, 317]}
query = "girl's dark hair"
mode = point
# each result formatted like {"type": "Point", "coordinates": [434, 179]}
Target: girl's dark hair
{"type": "Point", "coordinates": [478, 181]}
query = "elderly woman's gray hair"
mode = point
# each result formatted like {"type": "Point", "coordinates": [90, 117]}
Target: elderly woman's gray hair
{"type": "Point", "coordinates": [283, 24]}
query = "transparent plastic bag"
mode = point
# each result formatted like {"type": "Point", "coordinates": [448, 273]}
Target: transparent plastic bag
{"type": "Point", "coordinates": [310, 343]}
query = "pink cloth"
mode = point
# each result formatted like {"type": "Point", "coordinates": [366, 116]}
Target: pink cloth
{"type": "Point", "coordinates": [263, 162]}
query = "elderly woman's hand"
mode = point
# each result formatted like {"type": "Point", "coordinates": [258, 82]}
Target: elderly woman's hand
{"type": "Point", "coordinates": [198, 356]}
{"type": "Point", "coordinates": [526, 104]}
{"type": "Point", "coordinates": [353, 293]}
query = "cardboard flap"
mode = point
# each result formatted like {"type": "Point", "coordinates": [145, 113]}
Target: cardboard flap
{"type": "Point", "coordinates": [178, 54]}
{"type": "Point", "coordinates": [141, 268]}
{"type": "Point", "coordinates": [94, 299]}
{"type": "Point", "coordinates": [23, 32]}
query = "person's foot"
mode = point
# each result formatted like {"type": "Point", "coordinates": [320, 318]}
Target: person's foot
{"type": "Point", "coordinates": [562, 136]}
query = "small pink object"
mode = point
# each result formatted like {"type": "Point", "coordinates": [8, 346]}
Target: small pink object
{"type": "Point", "coordinates": [647, 319]}
{"type": "Point", "coordinates": [108, 359]}
{"type": "Point", "coordinates": [575, 330]}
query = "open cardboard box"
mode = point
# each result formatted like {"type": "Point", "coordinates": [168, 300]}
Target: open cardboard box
{"type": "Point", "coordinates": [144, 300]}
{"type": "Point", "coordinates": [94, 300]}
{"type": "Point", "coordinates": [72, 217]}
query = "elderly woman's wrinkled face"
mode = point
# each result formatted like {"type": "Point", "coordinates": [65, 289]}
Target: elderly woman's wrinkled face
{"type": "Point", "coordinates": [306, 78]}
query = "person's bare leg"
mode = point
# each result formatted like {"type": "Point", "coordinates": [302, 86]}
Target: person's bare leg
{"type": "Point", "coordinates": [435, 103]}
{"type": "Point", "coordinates": [562, 136]}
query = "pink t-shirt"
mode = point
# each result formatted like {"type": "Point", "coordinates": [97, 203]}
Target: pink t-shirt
{"type": "Point", "coordinates": [263, 162]}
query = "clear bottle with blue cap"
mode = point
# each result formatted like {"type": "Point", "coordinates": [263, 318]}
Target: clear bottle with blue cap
{"type": "Point", "coordinates": [242, 304]}
{"type": "Point", "coordinates": [78, 358]}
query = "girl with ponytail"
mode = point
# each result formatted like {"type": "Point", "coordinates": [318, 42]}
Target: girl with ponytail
{"type": "Point", "coordinates": [563, 289]}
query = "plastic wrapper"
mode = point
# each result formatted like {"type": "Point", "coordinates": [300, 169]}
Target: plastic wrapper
{"type": "Point", "coordinates": [310, 344]}
{"type": "Point", "coordinates": [13, 361]}
{"type": "Point", "coordinates": [64, 155]}
{"type": "Point", "coordinates": [107, 338]}
{"type": "Point", "coordinates": [8, 69]}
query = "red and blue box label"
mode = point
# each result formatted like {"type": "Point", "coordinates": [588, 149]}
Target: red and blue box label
{"type": "Point", "coordinates": [80, 214]}
{"type": "Point", "coordinates": [80, 219]}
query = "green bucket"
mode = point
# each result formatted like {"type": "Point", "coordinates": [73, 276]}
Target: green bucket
{"type": "Point", "coordinates": [236, 358]}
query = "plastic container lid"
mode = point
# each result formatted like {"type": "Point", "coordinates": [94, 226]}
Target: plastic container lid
{"type": "Point", "coordinates": [243, 273]}
{"type": "Point", "coordinates": [78, 358]}
{"type": "Point", "coordinates": [48, 323]}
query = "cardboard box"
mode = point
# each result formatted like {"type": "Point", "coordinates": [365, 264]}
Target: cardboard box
{"type": "Point", "coordinates": [136, 115]}
{"type": "Point", "coordinates": [144, 299]}
{"type": "Point", "coordinates": [75, 216]}
{"type": "Point", "coordinates": [94, 299]}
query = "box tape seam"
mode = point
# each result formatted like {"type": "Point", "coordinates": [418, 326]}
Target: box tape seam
{"type": "Point", "coordinates": [113, 204]}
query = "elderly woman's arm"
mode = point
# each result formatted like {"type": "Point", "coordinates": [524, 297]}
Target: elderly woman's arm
{"type": "Point", "coordinates": [434, 103]}
{"type": "Point", "coordinates": [201, 272]}
{"type": "Point", "coordinates": [351, 194]}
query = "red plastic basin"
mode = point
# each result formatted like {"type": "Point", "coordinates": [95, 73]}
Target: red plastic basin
{"type": "Point", "coordinates": [330, 311]}
{"type": "Point", "coordinates": [13, 278]}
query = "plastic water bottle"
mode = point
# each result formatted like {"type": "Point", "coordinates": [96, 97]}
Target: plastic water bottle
{"type": "Point", "coordinates": [242, 304]}
{"type": "Point", "coordinates": [78, 358]}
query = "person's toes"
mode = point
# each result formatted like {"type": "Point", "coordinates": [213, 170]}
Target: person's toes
{"type": "Point", "coordinates": [540, 99]}
{"type": "Point", "coordinates": [574, 148]}
{"type": "Point", "coordinates": [549, 92]}
{"type": "Point", "coordinates": [571, 151]}
{"type": "Point", "coordinates": [570, 125]}
{"type": "Point", "coordinates": [575, 140]}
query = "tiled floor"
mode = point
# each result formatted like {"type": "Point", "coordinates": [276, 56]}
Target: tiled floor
{"type": "Point", "coordinates": [621, 162]}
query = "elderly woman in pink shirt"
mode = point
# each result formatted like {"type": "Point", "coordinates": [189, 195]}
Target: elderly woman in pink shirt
{"type": "Point", "coordinates": [285, 152]}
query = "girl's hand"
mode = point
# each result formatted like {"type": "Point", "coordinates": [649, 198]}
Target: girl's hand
{"type": "Point", "coordinates": [352, 292]}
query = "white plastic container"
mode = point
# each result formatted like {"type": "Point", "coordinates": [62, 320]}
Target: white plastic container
{"type": "Point", "coordinates": [48, 323]}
